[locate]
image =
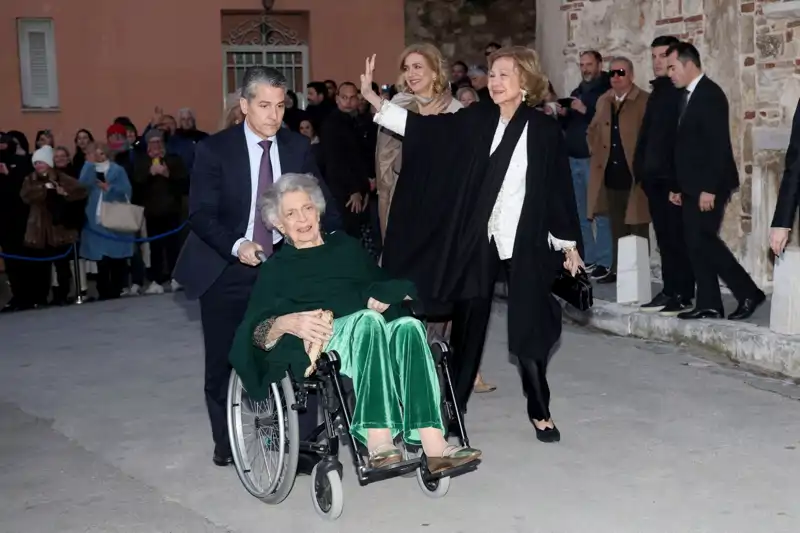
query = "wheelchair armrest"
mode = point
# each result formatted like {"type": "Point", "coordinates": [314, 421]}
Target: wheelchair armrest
{"type": "Point", "coordinates": [415, 308]}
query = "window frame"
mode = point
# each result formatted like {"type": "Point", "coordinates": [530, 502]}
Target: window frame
{"type": "Point", "coordinates": [25, 26]}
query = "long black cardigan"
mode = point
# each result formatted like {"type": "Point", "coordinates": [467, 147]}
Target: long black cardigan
{"type": "Point", "coordinates": [437, 228]}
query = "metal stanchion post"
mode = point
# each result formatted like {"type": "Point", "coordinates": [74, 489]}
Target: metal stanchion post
{"type": "Point", "coordinates": [77, 275]}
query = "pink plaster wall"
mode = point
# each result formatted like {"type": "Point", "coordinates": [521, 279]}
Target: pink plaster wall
{"type": "Point", "coordinates": [123, 58]}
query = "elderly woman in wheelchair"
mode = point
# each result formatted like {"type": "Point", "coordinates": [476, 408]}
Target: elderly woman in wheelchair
{"type": "Point", "coordinates": [323, 293]}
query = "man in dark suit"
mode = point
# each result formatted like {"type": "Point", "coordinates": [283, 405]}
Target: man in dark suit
{"type": "Point", "coordinates": [345, 167]}
{"type": "Point", "coordinates": [789, 193]}
{"type": "Point", "coordinates": [654, 168]}
{"type": "Point", "coordinates": [219, 259]}
{"type": "Point", "coordinates": [707, 176]}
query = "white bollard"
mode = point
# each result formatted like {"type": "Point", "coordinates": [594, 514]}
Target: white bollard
{"type": "Point", "coordinates": [784, 314]}
{"type": "Point", "coordinates": [633, 270]}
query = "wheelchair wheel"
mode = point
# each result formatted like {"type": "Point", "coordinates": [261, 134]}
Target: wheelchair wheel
{"type": "Point", "coordinates": [265, 439]}
{"type": "Point", "coordinates": [436, 488]}
{"type": "Point", "coordinates": [326, 493]}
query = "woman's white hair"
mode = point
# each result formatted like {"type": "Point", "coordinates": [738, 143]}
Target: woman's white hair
{"type": "Point", "coordinates": [269, 205]}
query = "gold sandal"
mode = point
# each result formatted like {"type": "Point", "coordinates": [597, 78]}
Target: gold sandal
{"type": "Point", "coordinates": [380, 459]}
{"type": "Point", "coordinates": [481, 387]}
{"type": "Point", "coordinates": [452, 457]}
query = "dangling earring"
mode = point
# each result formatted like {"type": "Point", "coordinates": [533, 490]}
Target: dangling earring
{"type": "Point", "coordinates": [524, 94]}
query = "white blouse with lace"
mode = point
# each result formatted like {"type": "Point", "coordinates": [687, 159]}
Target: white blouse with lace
{"type": "Point", "coordinates": [508, 206]}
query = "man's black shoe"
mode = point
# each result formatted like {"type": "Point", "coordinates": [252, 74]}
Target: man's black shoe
{"type": "Point", "coordinates": [697, 314]}
{"type": "Point", "coordinates": [675, 307]}
{"type": "Point", "coordinates": [223, 460]}
{"type": "Point", "coordinates": [748, 306]}
{"type": "Point", "coordinates": [656, 304]}
{"type": "Point", "coordinates": [607, 279]}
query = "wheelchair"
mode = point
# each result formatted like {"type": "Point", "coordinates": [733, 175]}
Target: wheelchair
{"type": "Point", "coordinates": [266, 444]}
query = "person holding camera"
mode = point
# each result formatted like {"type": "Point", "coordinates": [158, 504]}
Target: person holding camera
{"type": "Point", "coordinates": [53, 223]}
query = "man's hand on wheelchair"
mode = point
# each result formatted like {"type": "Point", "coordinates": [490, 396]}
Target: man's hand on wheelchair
{"type": "Point", "coordinates": [248, 253]}
{"type": "Point", "coordinates": [375, 305]}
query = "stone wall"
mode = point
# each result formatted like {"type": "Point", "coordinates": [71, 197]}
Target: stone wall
{"type": "Point", "coordinates": [750, 47]}
{"type": "Point", "coordinates": [463, 28]}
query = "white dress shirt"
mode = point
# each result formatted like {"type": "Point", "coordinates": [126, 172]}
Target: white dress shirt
{"type": "Point", "coordinates": [254, 152]}
{"type": "Point", "coordinates": [505, 215]}
{"type": "Point", "coordinates": [692, 86]}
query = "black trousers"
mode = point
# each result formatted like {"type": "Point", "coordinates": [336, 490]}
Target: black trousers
{"type": "Point", "coordinates": [222, 308]}
{"type": "Point", "coordinates": [38, 276]}
{"type": "Point", "coordinates": [467, 339]}
{"type": "Point", "coordinates": [617, 208]}
{"type": "Point", "coordinates": [710, 257]}
{"type": "Point", "coordinates": [111, 274]}
{"type": "Point", "coordinates": [676, 269]}
{"type": "Point", "coordinates": [164, 252]}
{"type": "Point", "coordinates": [63, 273]}
{"type": "Point", "coordinates": [21, 277]}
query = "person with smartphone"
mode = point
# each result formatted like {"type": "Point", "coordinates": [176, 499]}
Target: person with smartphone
{"type": "Point", "coordinates": [576, 113]}
{"type": "Point", "coordinates": [51, 229]}
{"type": "Point", "coordinates": [160, 179]}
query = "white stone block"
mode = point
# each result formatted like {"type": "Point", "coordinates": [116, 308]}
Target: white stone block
{"type": "Point", "coordinates": [788, 9]}
{"type": "Point", "coordinates": [785, 311]}
{"type": "Point", "coordinates": [633, 270]}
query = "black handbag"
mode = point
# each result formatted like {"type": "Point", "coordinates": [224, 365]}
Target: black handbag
{"type": "Point", "coordinates": [575, 290]}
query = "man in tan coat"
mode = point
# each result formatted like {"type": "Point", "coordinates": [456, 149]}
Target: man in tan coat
{"type": "Point", "coordinates": [612, 138]}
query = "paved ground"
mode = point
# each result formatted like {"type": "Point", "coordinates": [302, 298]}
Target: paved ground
{"type": "Point", "coordinates": [103, 429]}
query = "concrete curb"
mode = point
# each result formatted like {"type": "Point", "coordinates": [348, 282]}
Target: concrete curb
{"type": "Point", "coordinates": [754, 346]}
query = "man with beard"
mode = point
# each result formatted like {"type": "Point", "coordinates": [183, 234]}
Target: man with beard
{"type": "Point", "coordinates": [346, 171]}
{"type": "Point", "coordinates": [576, 119]}
{"type": "Point", "coordinates": [319, 105]}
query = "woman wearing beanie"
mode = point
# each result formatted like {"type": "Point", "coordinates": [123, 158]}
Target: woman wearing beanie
{"type": "Point", "coordinates": [52, 222]}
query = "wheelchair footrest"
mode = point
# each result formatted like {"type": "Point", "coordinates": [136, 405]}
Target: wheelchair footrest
{"type": "Point", "coordinates": [371, 475]}
{"type": "Point", "coordinates": [451, 473]}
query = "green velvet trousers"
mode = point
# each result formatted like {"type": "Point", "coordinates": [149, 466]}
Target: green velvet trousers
{"type": "Point", "coordinates": [393, 373]}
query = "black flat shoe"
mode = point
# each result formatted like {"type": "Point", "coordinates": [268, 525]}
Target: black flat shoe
{"type": "Point", "coordinates": [547, 434]}
{"type": "Point", "coordinates": [697, 314]}
{"type": "Point", "coordinates": [223, 460]}
{"type": "Point", "coordinates": [747, 307]}
{"type": "Point", "coordinates": [607, 280]}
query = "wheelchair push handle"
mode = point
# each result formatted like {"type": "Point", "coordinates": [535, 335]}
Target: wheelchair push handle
{"type": "Point", "coordinates": [261, 256]}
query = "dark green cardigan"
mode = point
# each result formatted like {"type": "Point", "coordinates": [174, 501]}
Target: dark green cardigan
{"type": "Point", "coordinates": [338, 276]}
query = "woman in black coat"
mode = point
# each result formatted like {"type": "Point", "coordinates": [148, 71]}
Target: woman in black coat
{"type": "Point", "coordinates": [485, 189]}
{"type": "Point", "coordinates": [15, 164]}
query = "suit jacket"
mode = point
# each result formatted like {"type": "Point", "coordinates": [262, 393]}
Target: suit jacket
{"type": "Point", "coordinates": [346, 169]}
{"type": "Point", "coordinates": [704, 159]}
{"type": "Point", "coordinates": [789, 193]}
{"type": "Point", "coordinates": [219, 202]}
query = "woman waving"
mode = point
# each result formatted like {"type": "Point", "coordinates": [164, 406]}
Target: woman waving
{"type": "Point", "coordinates": [490, 190]}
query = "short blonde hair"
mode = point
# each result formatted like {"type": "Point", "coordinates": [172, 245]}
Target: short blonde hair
{"type": "Point", "coordinates": [463, 90]}
{"type": "Point", "coordinates": [532, 80]}
{"type": "Point", "coordinates": [231, 111]}
{"type": "Point", "coordinates": [435, 62]}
